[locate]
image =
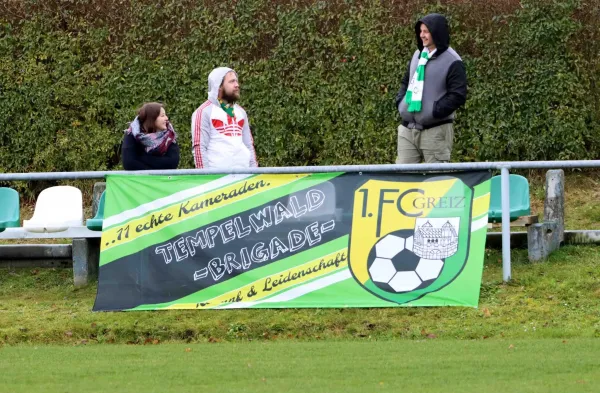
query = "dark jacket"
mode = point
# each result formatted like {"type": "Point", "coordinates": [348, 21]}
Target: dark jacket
{"type": "Point", "coordinates": [135, 158]}
{"type": "Point", "coordinates": [445, 88]}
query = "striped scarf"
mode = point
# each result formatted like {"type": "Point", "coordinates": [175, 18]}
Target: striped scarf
{"type": "Point", "coordinates": [414, 93]}
{"type": "Point", "coordinates": [156, 143]}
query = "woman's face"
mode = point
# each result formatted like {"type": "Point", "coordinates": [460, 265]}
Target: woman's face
{"type": "Point", "coordinates": [161, 120]}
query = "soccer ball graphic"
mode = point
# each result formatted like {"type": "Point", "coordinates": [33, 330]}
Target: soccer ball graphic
{"type": "Point", "coordinates": [395, 268]}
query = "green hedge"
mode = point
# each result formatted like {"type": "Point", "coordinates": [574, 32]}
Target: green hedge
{"type": "Point", "coordinates": [318, 77]}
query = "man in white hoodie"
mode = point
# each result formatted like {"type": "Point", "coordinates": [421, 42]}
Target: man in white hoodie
{"type": "Point", "coordinates": [221, 136]}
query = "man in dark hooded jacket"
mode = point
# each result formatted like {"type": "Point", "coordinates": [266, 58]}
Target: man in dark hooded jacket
{"type": "Point", "coordinates": [432, 89]}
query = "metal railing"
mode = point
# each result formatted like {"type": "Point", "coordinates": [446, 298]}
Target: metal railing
{"type": "Point", "coordinates": [503, 166]}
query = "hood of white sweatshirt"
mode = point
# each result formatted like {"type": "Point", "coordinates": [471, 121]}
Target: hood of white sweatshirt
{"type": "Point", "coordinates": [215, 79]}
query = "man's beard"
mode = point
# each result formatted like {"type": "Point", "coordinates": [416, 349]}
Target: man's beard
{"type": "Point", "coordinates": [230, 98]}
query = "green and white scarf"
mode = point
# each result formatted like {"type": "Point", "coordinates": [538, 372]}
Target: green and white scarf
{"type": "Point", "coordinates": [228, 108]}
{"type": "Point", "coordinates": [414, 93]}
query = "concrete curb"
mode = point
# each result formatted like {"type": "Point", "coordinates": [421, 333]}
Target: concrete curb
{"type": "Point", "coordinates": [36, 255]}
{"type": "Point", "coordinates": [519, 239]}
{"type": "Point", "coordinates": [35, 251]}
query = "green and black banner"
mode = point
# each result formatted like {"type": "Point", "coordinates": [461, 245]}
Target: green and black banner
{"type": "Point", "coordinates": [293, 240]}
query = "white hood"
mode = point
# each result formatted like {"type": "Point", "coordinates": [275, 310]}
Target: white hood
{"type": "Point", "coordinates": [134, 126]}
{"type": "Point", "coordinates": [215, 79]}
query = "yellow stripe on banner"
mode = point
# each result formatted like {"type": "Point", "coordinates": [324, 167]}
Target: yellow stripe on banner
{"type": "Point", "coordinates": [193, 207]}
{"type": "Point", "coordinates": [481, 205]}
{"type": "Point", "coordinates": [276, 283]}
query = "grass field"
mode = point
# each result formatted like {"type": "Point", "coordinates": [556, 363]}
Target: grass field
{"type": "Point", "coordinates": [556, 299]}
{"type": "Point", "coordinates": [376, 366]}
{"type": "Point", "coordinates": [538, 333]}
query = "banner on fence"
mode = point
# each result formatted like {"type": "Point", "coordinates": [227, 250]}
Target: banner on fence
{"type": "Point", "coordinates": [293, 240]}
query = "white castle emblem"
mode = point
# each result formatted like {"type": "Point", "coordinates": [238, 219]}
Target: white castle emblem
{"type": "Point", "coordinates": [436, 242]}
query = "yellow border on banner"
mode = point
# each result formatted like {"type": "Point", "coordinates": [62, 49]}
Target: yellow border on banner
{"type": "Point", "coordinates": [481, 205]}
{"type": "Point", "coordinates": [193, 207]}
{"type": "Point", "coordinates": [268, 285]}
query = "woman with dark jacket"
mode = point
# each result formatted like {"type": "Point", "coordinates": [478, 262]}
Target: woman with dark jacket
{"type": "Point", "coordinates": [150, 141]}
